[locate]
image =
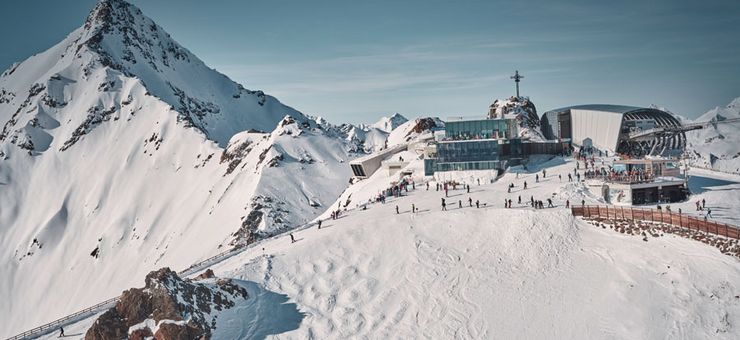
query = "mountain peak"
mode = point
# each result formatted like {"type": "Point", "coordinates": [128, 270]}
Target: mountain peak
{"type": "Point", "coordinates": [388, 124]}
{"type": "Point", "coordinates": [108, 13]}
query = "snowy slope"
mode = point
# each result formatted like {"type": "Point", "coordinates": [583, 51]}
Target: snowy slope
{"type": "Point", "coordinates": [718, 145]}
{"type": "Point", "coordinates": [487, 273]}
{"type": "Point", "coordinates": [121, 152]}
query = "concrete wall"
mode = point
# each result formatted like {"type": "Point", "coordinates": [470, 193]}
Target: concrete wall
{"type": "Point", "coordinates": [602, 127]}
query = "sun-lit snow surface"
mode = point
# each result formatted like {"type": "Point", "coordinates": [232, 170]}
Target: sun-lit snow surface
{"type": "Point", "coordinates": [490, 272]}
{"type": "Point", "coordinates": [113, 144]}
{"type": "Point", "coordinates": [716, 146]}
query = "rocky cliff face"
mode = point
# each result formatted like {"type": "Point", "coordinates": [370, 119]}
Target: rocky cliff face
{"type": "Point", "coordinates": [168, 307]}
{"type": "Point", "coordinates": [521, 109]}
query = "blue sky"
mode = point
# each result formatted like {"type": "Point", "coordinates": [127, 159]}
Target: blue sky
{"type": "Point", "coordinates": [354, 61]}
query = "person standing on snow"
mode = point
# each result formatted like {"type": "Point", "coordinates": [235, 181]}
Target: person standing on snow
{"type": "Point", "coordinates": [319, 224]}
{"type": "Point", "coordinates": [61, 332]}
{"type": "Point", "coordinates": [525, 185]}
{"type": "Point", "coordinates": [519, 201]}
{"type": "Point", "coordinates": [444, 205]}
{"type": "Point", "coordinates": [459, 204]}
{"type": "Point", "coordinates": [703, 203]}
{"type": "Point", "coordinates": [292, 238]}
{"type": "Point", "coordinates": [549, 203]}
{"type": "Point", "coordinates": [477, 204]}
{"type": "Point", "coordinates": [470, 202]}
{"type": "Point", "coordinates": [413, 208]}
{"type": "Point", "coordinates": [567, 204]}
{"type": "Point", "coordinates": [396, 210]}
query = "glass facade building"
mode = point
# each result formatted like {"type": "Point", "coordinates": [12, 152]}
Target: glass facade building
{"type": "Point", "coordinates": [471, 145]}
{"type": "Point", "coordinates": [480, 129]}
{"type": "Point", "coordinates": [467, 151]}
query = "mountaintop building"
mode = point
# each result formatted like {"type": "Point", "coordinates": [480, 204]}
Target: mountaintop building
{"type": "Point", "coordinates": [626, 130]}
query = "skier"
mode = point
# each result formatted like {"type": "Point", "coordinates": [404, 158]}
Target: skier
{"type": "Point", "coordinates": [292, 238]}
{"type": "Point", "coordinates": [698, 206]}
{"type": "Point", "coordinates": [396, 210]}
{"type": "Point", "coordinates": [506, 203]}
{"type": "Point", "coordinates": [509, 203]}
{"type": "Point", "coordinates": [509, 190]}
{"type": "Point", "coordinates": [478, 181]}
{"type": "Point", "coordinates": [544, 173]}
{"type": "Point", "coordinates": [531, 201]}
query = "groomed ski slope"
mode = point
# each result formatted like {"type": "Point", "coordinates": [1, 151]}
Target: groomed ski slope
{"type": "Point", "coordinates": [488, 273]}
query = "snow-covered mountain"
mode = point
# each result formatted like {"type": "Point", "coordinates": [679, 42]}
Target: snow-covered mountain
{"type": "Point", "coordinates": [121, 152]}
{"type": "Point", "coordinates": [717, 146]}
{"type": "Point", "coordinates": [373, 137]}
{"type": "Point", "coordinates": [389, 124]}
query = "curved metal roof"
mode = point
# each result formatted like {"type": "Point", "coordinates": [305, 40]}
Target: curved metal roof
{"type": "Point", "coordinates": [604, 108]}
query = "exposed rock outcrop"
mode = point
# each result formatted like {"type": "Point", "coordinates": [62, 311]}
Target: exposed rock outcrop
{"type": "Point", "coordinates": [168, 307]}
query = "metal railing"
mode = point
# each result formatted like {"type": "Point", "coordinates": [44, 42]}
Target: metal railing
{"type": "Point", "coordinates": [69, 319]}
{"type": "Point", "coordinates": [92, 310]}
{"type": "Point", "coordinates": [682, 220]}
